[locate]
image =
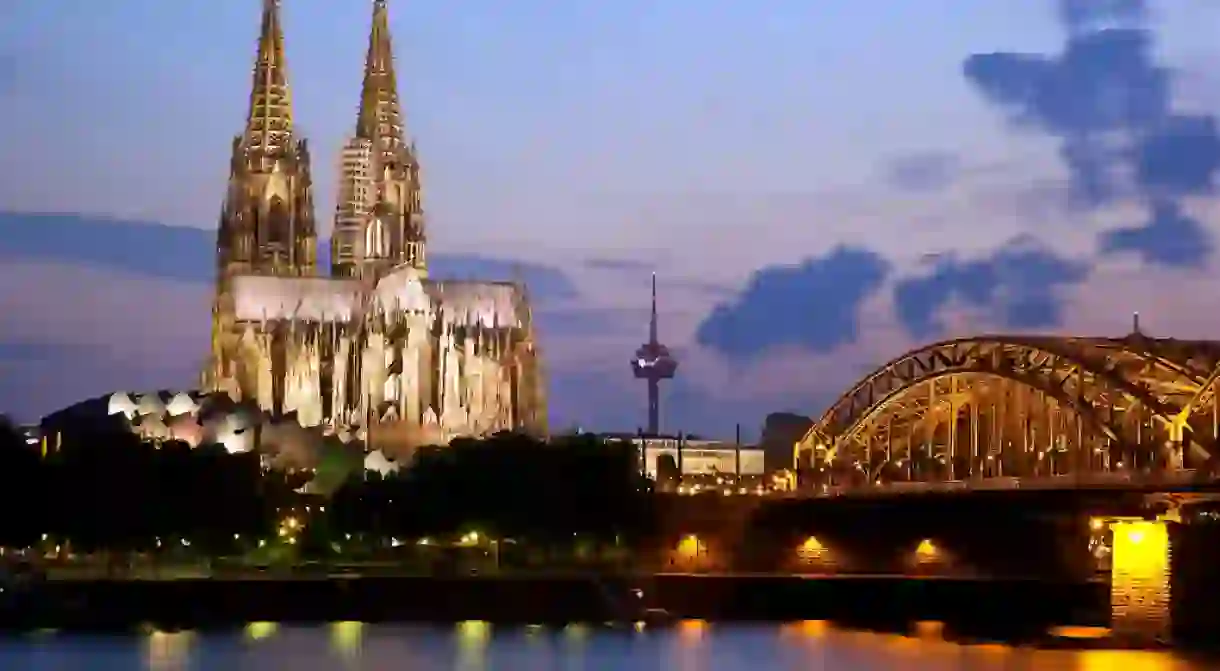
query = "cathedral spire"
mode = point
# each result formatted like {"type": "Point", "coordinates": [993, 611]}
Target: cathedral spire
{"type": "Point", "coordinates": [379, 218]}
{"type": "Point", "coordinates": [269, 124]}
{"type": "Point", "coordinates": [380, 118]}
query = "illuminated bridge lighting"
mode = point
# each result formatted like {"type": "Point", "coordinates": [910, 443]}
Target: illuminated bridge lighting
{"type": "Point", "coordinates": [1139, 582]}
{"type": "Point", "coordinates": [1020, 412]}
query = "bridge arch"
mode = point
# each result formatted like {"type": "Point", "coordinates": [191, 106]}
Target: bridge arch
{"type": "Point", "coordinates": [1046, 404]}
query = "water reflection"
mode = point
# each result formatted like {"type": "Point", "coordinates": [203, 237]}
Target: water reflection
{"type": "Point", "coordinates": [477, 646]}
{"type": "Point", "coordinates": [472, 640]}
{"type": "Point", "coordinates": [345, 639]}
{"type": "Point", "coordinates": [257, 631]}
{"type": "Point", "coordinates": [168, 651]}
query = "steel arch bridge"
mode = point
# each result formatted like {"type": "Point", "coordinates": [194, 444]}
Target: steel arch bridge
{"type": "Point", "coordinates": [1015, 411]}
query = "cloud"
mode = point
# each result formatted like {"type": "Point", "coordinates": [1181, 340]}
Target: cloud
{"type": "Point", "coordinates": [1170, 238]}
{"type": "Point", "coordinates": [1018, 283]}
{"type": "Point", "coordinates": [31, 352]}
{"type": "Point", "coordinates": [813, 305]}
{"type": "Point", "coordinates": [1181, 158]}
{"type": "Point", "coordinates": [188, 254]}
{"type": "Point", "coordinates": [75, 332]}
{"type": "Point", "coordinates": [922, 172]}
{"type": "Point", "coordinates": [1111, 107]}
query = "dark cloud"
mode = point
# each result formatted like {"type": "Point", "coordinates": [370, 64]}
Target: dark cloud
{"type": "Point", "coordinates": [188, 254]}
{"type": "Point", "coordinates": [923, 172]}
{"type": "Point", "coordinates": [1019, 282]}
{"type": "Point", "coordinates": [62, 375]}
{"type": "Point", "coordinates": [140, 248]}
{"type": "Point", "coordinates": [1110, 104]}
{"type": "Point", "coordinates": [29, 352]}
{"type": "Point", "coordinates": [814, 305]}
{"type": "Point", "coordinates": [1170, 238]}
{"type": "Point", "coordinates": [1080, 15]}
{"type": "Point", "coordinates": [1181, 158]}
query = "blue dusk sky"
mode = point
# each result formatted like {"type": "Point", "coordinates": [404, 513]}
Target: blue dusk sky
{"type": "Point", "coordinates": [819, 186]}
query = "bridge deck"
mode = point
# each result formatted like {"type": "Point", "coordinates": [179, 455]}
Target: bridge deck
{"type": "Point", "coordinates": [1177, 480]}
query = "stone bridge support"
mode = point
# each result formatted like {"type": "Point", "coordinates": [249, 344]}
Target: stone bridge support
{"type": "Point", "coordinates": [1152, 556]}
{"type": "Point", "coordinates": [1141, 566]}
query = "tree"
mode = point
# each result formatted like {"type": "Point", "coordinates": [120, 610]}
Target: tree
{"type": "Point", "coordinates": [668, 475]}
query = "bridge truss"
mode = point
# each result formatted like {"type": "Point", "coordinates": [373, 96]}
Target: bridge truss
{"type": "Point", "coordinates": [1021, 409]}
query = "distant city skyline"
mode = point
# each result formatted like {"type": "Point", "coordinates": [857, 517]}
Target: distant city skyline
{"type": "Point", "coordinates": [819, 188]}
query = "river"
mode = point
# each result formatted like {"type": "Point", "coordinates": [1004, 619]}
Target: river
{"type": "Point", "coordinates": [477, 646]}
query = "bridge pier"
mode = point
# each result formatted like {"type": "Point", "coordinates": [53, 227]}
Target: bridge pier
{"type": "Point", "coordinates": [1140, 608]}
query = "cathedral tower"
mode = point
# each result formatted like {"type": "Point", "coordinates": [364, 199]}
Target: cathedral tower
{"type": "Point", "coordinates": [267, 224]}
{"type": "Point", "coordinates": [267, 220]}
{"type": "Point", "coordinates": [379, 222]}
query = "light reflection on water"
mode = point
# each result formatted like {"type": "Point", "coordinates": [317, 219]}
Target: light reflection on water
{"type": "Point", "coordinates": [690, 645]}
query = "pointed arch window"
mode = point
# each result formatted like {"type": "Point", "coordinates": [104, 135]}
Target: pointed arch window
{"type": "Point", "coordinates": [279, 222]}
{"type": "Point", "coordinates": [376, 242]}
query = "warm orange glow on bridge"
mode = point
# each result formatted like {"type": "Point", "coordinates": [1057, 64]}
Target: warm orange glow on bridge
{"type": "Point", "coordinates": [1139, 581]}
{"type": "Point", "coordinates": [690, 547]}
{"type": "Point", "coordinates": [812, 548]}
{"type": "Point", "coordinates": [1013, 412]}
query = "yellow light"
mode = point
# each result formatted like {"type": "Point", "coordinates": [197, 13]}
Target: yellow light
{"type": "Point", "coordinates": [811, 550]}
{"type": "Point", "coordinates": [806, 629]}
{"type": "Point", "coordinates": [345, 638]}
{"type": "Point", "coordinates": [927, 549]}
{"type": "Point", "coordinates": [929, 629]}
{"type": "Point", "coordinates": [690, 546]}
{"type": "Point", "coordinates": [168, 650]}
{"type": "Point", "coordinates": [691, 629]}
{"type": "Point", "coordinates": [1096, 524]}
{"type": "Point", "coordinates": [257, 631]}
{"type": "Point", "coordinates": [473, 634]}
{"type": "Point", "coordinates": [1139, 580]}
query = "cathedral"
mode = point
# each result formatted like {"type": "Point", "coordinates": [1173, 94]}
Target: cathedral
{"type": "Point", "coordinates": [374, 345]}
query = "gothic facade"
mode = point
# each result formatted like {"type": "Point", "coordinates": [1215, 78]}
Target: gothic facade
{"type": "Point", "coordinates": [376, 343]}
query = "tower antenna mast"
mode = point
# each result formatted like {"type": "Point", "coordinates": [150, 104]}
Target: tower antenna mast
{"type": "Point", "coordinates": [653, 363]}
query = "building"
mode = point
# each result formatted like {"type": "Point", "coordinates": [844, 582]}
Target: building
{"type": "Point", "coordinates": [692, 456]}
{"type": "Point", "coordinates": [374, 342]}
{"type": "Point", "coordinates": [701, 457]}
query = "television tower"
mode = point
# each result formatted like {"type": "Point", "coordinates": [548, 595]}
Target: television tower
{"type": "Point", "coordinates": [653, 363]}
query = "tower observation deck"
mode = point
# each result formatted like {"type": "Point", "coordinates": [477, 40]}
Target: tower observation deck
{"type": "Point", "coordinates": [654, 363]}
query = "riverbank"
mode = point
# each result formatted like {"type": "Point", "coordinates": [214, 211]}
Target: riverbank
{"type": "Point", "coordinates": [967, 605]}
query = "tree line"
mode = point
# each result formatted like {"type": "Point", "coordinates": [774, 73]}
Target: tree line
{"type": "Point", "coordinates": [109, 490]}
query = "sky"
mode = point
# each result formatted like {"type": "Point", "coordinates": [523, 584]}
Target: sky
{"type": "Point", "coordinates": [819, 186]}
